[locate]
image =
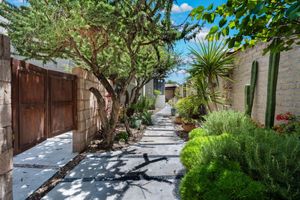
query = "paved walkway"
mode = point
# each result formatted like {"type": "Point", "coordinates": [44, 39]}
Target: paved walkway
{"type": "Point", "coordinates": [35, 166]}
{"type": "Point", "coordinates": [148, 170]}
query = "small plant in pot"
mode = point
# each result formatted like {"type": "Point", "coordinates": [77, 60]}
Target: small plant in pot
{"type": "Point", "coordinates": [188, 124]}
{"type": "Point", "coordinates": [172, 103]}
{"type": "Point", "coordinates": [187, 108]}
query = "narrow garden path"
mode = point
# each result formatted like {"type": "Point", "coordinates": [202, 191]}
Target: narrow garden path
{"type": "Point", "coordinates": [150, 169]}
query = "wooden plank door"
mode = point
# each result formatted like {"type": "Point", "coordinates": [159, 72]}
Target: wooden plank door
{"type": "Point", "coordinates": [62, 102]}
{"type": "Point", "coordinates": [29, 98]}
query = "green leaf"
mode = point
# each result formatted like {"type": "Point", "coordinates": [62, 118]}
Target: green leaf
{"type": "Point", "coordinates": [294, 11]}
{"type": "Point", "coordinates": [222, 22]}
{"type": "Point", "coordinates": [197, 11]}
{"type": "Point", "coordinates": [210, 7]}
{"type": "Point", "coordinates": [214, 29]}
{"type": "Point", "coordinates": [229, 3]}
{"type": "Point", "coordinates": [225, 31]}
{"type": "Point", "coordinates": [231, 24]}
{"type": "Point", "coordinates": [231, 43]}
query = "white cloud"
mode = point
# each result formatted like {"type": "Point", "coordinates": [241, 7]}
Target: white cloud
{"type": "Point", "coordinates": [182, 8]}
{"type": "Point", "coordinates": [182, 71]}
{"type": "Point", "coordinates": [202, 34]}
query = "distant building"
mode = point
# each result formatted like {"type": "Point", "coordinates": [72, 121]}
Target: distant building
{"type": "Point", "coordinates": [170, 91]}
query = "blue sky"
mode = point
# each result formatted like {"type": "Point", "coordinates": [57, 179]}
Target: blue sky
{"type": "Point", "coordinates": [180, 12]}
{"type": "Point", "coordinates": [178, 16]}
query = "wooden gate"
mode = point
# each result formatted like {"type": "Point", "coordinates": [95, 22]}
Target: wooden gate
{"type": "Point", "coordinates": [43, 103]}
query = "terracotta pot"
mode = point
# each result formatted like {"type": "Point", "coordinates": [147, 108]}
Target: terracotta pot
{"type": "Point", "coordinates": [187, 127]}
{"type": "Point", "coordinates": [178, 120]}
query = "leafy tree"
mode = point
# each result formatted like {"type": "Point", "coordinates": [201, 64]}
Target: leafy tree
{"type": "Point", "coordinates": [245, 23]}
{"type": "Point", "coordinates": [211, 61]}
{"type": "Point", "coordinates": [103, 37]}
{"type": "Point", "coordinates": [171, 82]}
{"type": "Point", "coordinates": [151, 64]}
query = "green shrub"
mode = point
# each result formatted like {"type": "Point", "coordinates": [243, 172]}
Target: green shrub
{"type": "Point", "coordinates": [197, 132]}
{"type": "Point", "coordinates": [122, 136]}
{"type": "Point", "coordinates": [189, 107]}
{"type": "Point", "coordinates": [227, 121]}
{"type": "Point", "coordinates": [275, 160]}
{"type": "Point", "coordinates": [203, 150]}
{"type": "Point", "coordinates": [157, 92]}
{"type": "Point", "coordinates": [144, 104]}
{"type": "Point", "coordinates": [262, 154]}
{"type": "Point", "coordinates": [146, 118]}
{"type": "Point", "coordinates": [220, 181]}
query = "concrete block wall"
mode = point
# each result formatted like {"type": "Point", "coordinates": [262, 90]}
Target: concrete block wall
{"type": "Point", "coordinates": [6, 148]}
{"type": "Point", "coordinates": [288, 87]}
{"type": "Point", "coordinates": [87, 109]}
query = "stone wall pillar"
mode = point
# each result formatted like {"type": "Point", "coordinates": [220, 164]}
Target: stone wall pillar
{"type": "Point", "coordinates": [6, 148]}
{"type": "Point", "coordinates": [87, 110]}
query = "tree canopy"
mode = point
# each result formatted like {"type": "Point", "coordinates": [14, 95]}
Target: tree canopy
{"type": "Point", "coordinates": [104, 37]}
{"type": "Point", "coordinates": [244, 23]}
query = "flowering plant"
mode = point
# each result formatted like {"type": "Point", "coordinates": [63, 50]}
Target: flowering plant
{"type": "Point", "coordinates": [290, 123]}
{"type": "Point", "coordinates": [287, 116]}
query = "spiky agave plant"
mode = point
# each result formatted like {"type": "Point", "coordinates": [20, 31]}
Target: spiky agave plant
{"type": "Point", "coordinates": [211, 61]}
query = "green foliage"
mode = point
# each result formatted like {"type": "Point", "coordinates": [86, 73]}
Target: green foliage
{"type": "Point", "coordinates": [220, 181]}
{"type": "Point", "coordinates": [107, 38]}
{"type": "Point", "coordinates": [211, 61]}
{"type": "Point", "coordinates": [143, 105]}
{"type": "Point", "coordinates": [135, 122]}
{"type": "Point", "coordinates": [228, 121]}
{"type": "Point", "coordinates": [203, 150]}
{"type": "Point", "coordinates": [146, 118]}
{"type": "Point", "coordinates": [245, 23]}
{"type": "Point", "coordinates": [122, 136]}
{"type": "Point", "coordinates": [189, 107]}
{"type": "Point", "coordinates": [157, 92]}
{"type": "Point", "coordinates": [262, 154]}
{"type": "Point", "coordinates": [274, 160]}
{"type": "Point", "coordinates": [197, 132]}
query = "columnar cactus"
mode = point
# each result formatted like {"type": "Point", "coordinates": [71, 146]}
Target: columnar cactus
{"type": "Point", "coordinates": [249, 92]}
{"type": "Point", "coordinates": [272, 84]}
{"type": "Point", "coordinates": [247, 98]}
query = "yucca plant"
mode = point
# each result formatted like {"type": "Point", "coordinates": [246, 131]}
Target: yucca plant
{"type": "Point", "coordinates": [211, 61]}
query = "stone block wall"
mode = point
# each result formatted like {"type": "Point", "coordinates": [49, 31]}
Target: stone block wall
{"type": "Point", "coordinates": [6, 148]}
{"type": "Point", "coordinates": [288, 87]}
{"type": "Point", "coordinates": [88, 121]}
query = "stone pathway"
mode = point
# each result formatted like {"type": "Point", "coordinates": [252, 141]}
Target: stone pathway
{"type": "Point", "coordinates": [35, 166]}
{"type": "Point", "coordinates": [150, 169]}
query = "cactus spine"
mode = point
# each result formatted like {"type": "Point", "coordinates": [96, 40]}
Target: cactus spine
{"type": "Point", "coordinates": [249, 95]}
{"type": "Point", "coordinates": [272, 84]}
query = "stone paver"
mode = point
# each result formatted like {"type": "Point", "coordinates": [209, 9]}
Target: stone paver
{"type": "Point", "coordinates": [150, 169]}
{"type": "Point", "coordinates": [35, 166]}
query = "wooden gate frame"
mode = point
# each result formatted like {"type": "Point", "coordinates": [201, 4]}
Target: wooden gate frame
{"type": "Point", "coordinates": [17, 65]}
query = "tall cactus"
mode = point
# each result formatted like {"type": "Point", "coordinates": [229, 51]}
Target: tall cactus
{"type": "Point", "coordinates": [272, 84]}
{"type": "Point", "coordinates": [249, 95]}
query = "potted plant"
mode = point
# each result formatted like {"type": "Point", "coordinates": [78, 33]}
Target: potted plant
{"type": "Point", "coordinates": [188, 124]}
{"type": "Point", "coordinates": [188, 108]}
{"type": "Point", "coordinates": [172, 103]}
